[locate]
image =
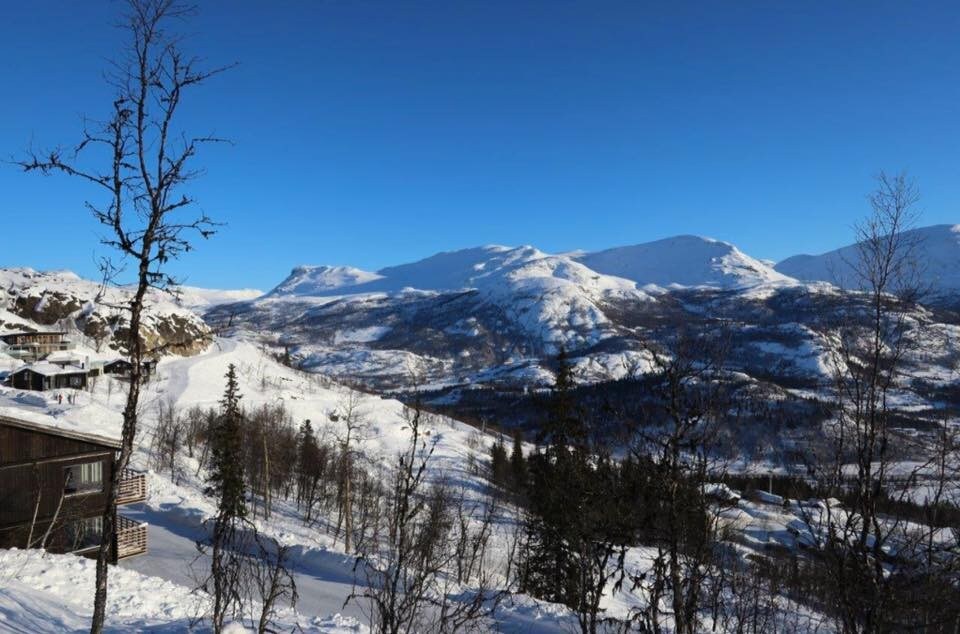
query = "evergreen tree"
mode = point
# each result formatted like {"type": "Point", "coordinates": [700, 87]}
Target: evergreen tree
{"type": "Point", "coordinates": [308, 459]}
{"type": "Point", "coordinates": [499, 466]}
{"type": "Point", "coordinates": [556, 479]}
{"type": "Point", "coordinates": [564, 426]}
{"type": "Point", "coordinates": [518, 464]}
{"type": "Point", "coordinates": [225, 481]}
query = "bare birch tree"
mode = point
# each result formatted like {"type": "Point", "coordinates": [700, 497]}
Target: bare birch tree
{"type": "Point", "coordinates": [140, 161]}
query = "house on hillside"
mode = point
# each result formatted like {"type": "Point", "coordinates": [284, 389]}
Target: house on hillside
{"type": "Point", "coordinates": [48, 376]}
{"type": "Point", "coordinates": [53, 487]}
{"type": "Point", "coordinates": [123, 367]}
{"type": "Point", "coordinates": [33, 346]}
{"type": "Point", "coordinates": [65, 358]}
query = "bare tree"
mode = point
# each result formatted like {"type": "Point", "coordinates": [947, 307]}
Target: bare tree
{"type": "Point", "coordinates": [353, 424]}
{"type": "Point", "coordinates": [394, 578]}
{"type": "Point", "coordinates": [691, 402]}
{"type": "Point", "coordinates": [140, 161]}
{"type": "Point", "coordinates": [880, 333]}
{"type": "Point", "coordinates": [272, 579]}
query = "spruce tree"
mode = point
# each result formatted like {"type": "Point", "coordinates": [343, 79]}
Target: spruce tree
{"type": "Point", "coordinates": [225, 481]}
{"type": "Point", "coordinates": [557, 482]}
{"type": "Point", "coordinates": [307, 463]}
{"type": "Point", "coordinates": [518, 464]}
{"type": "Point", "coordinates": [499, 467]}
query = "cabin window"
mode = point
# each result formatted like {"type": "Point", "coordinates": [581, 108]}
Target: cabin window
{"type": "Point", "coordinates": [84, 478]}
{"type": "Point", "coordinates": [85, 533]}
{"type": "Point", "coordinates": [76, 381]}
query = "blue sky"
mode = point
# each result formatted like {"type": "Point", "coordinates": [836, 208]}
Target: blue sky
{"type": "Point", "coordinates": [374, 133]}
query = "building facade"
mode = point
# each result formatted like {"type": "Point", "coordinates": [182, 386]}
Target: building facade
{"type": "Point", "coordinates": [53, 490]}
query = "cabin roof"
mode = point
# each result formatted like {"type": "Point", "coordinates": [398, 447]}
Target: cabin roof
{"type": "Point", "coordinates": [49, 369]}
{"type": "Point", "coordinates": [102, 432]}
{"type": "Point", "coordinates": [65, 355]}
{"type": "Point", "coordinates": [14, 333]}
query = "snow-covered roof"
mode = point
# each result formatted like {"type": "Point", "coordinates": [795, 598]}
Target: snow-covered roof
{"type": "Point", "coordinates": [64, 355]}
{"type": "Point", "coordinates": [104, 430]}
{"type": "Point", "coordinates": [49, 369]}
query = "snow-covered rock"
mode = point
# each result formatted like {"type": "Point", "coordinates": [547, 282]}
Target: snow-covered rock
{"type": "Point", "coordinates": [92, 314]}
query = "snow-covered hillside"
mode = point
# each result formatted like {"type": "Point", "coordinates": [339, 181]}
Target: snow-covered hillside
{"type": "Point", "coordinates": [202, 299]}
{"type": "Point", "coordinates": [684, 261]}
{"type": "Point", "coordinates": [938, 262]}
{"type": "Point", "coordinates": [155, 591]}
{"type": "Point", "coordinates": [92, 314]}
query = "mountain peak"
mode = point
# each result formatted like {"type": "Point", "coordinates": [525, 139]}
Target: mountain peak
{"type": "Point", "coordinates": [938, 249]}
{"type": "Point", "coordinates": [684, 260]}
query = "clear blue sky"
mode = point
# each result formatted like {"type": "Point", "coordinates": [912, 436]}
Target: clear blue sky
{"type": "Point", "coordinates": [373, 133]}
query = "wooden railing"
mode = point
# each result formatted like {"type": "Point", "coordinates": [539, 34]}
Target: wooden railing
{"type": "Point", "coordinates": [132, 487]}
{"type": "Point", "coordinates": [131, 537]}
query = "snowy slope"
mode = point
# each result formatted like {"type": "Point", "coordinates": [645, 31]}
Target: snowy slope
{"type": "Point", "coordinates": [684, 261]}
{"type": "Point", "coordinates": [202, 299]}
{"type": "Point", "coordinates": [938, 251]}
{"type": "Point", "coordinates": [42, 592]}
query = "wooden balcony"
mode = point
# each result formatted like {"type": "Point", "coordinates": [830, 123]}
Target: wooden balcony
{"type": "Point", "coordinates": [131, 537]}
{"type": "Point", "coordinates": [132, 487]}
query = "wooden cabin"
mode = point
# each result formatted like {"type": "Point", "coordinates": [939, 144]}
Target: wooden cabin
{"type": "Point", "coordinates": [33, 346]}
{"type": "Point", "coordinates": [123, 367]}
{"type": "Point", "coordinates": [53, 488]}
{"type": "Point", "coordinates": [48, 376]}
{"type": "Point", "coordinates": [66, 358]}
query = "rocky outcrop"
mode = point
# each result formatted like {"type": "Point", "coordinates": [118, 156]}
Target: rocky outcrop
{"type": "Point", "coordinates": [96, 316]}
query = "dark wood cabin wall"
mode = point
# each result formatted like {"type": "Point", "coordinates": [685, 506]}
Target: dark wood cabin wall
{"type": "Point", "coordinates": [19, 486]}
{"type": "Point", "coordinates": [19, 445]}
{"type": "Point", "coordinates": [16, 536]}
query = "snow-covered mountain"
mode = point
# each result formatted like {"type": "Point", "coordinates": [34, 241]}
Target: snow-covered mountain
{"type": "Point", "coordinates": [320, 280]}
{"type": "Point", "coordinates": [552, 299]}
{"type": "Point", "coordinates": [487, 267]}
{"type": "Point", "coordinates": [937, 247]}
{"type": "Point", "coordinates": [496, 315]}
{"type": "Point", "coordinates": [689, 261]}
{"type": "Point", "coordinates": [684, 261]}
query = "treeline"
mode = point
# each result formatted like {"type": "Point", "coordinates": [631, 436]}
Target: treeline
{"type": "Point", "coordinates": [648, 522]}
{"type": "Point", "coordinates": [423, 544]}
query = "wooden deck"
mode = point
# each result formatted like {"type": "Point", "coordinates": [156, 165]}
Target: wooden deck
{"type": "Point", "coordinates": [132, 487]}
{"type": "Point", "coordinates": [131, 537]}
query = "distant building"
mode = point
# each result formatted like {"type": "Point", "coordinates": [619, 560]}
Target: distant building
{"type": "Point", "coordinates": [45, 376]}
{"type": "Point", "coordinates": [65, 358]}
{"type": "Point", "coordinates": [33, 346]}
{"type": "Point", "coordinates": [124, 367]}
{"type": "Point", "coordinates": [53, 484]}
